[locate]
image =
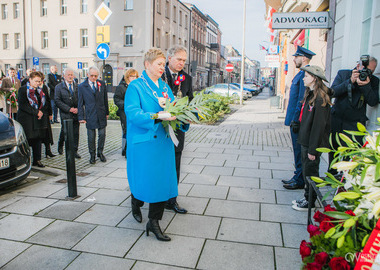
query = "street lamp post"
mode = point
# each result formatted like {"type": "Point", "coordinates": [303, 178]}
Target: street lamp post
{"type": "Point", "coordinates": [243, 57]}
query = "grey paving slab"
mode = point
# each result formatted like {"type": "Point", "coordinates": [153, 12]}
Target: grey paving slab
{"type": "Point", "coordinates": [192, 204]}
{"type": "Point", "coordinates": [239, 151]}
{"type": "Point", "coordinates": [226, 146]}
{"type": "Point", "coordinates": [249, 231]}
{"type": "Point", "coordinates": [275, 184]}
{"type": "Point", "coordinates": [38, 257]}
{"type": "Point", "coordinates": [109, 196]}
{"type": "Point", "coordinates": [209, 150]}
{"type": "Point", "coordinates": [277, 166]}
{"type": "Point", "coordinates": [293, 234]}
{"type": "Point", "coordinates": [233, 209]}
{"type": "Point", "coordinates": [19, 227]}
{"type": "Point", "coordinates": [202, 179]}
{"type": "Point", "coordinates": [83, 192]}
{"type": "Point", "coordinates": [236, 181]}
{"type": "Point", "coordinates": [251, 195]}
{"type": "Point", "coordinates": [86, 261]}
{"type": "Point", "coordinates": [61, 234]}
{"type": "Point", "coordinates": [253, 158]}
{"type": "Point", "coordinates": [207, 161]}
{"type": "Point", "coordinates": [224, 255]}
{"type": "Point", "coordinates": [287, 155]}
{"type": "Point", "coordinates": [3, 215]}
{"type": "Point", "coordinates": [213, 170]}
{"type": "Point", "coordinates": [66, 210]}
{"type": "Point", "coordinates": [183, 188]}
{"type": "Point", "coordinates": [286, 175]}
{"type": "Point", "coordinates": [189, 154]}
{"type": "Point", "coordinates": [269, 153]}
{"type": "Point", "coordinates": [10, 249]}
{"type": "Point", "coordinates": [83, 181]}
{"type": "Point", "coordinates": [282, 159]}
{"type": "Point", "coordinates": [154, 266]}
{"type": "Point", "coordinates": [286, 197]}
{"type": "Point", "coordinates": [242, 164]}
{"type": "Point", "coordinates": [109, 241]}
{"type": "Point", "coordinates": [41, 189]}
{"type": "Point", "coordinates": [277, 148]}
{"type": "Point", "coordinates": [130, 223]}
{"type": "Point", "coordinates": [194, 225]}
{"type": "Point", "coordinates": [118, 163]}
{"type": "Point", "coordinates": [287, 258]}
{"type": "Point", "coordinates": [99, 170]}
{"type": "Point", "coordinates": [222, 156]}
{"type": "Point", "coordinates": [251, 147]}
{"type": "Point", "coordinates": [186, 160]}
{"type": "Point", "coordinates": [244, 172]}
{"type": "Point", "coordinates": [104, 215]}
{"type": "Point", "coordinates": [217, 192]}
{"type": "Point", "coordinates": [192, 168]}
{"type": "Point", "coordinates": [110, 183]}
{"type": "Point", "coordinates": [282, 213]}
{"type": "Point", "coordinates": [119, 173]}
{"type": "Point", "coordinates": [29, 205]}
{"type": "Point", "coordinates": [7, 199]}
{"type": "Point", "coordinates": [186, 250]}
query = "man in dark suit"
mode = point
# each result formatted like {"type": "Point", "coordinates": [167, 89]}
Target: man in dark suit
{"type": "Point", "coordinates": [11, 83]}
{"type": "Point", "coordinates": [93, 111]}
{"type": "Point", "coordinates": [352, 96]}
{"type": "Point", "coordinates": [66, 99]}
{"type": "Point", "coordinates": [181, 84]}
{"type": "Point", "coordinates": [53, 80]}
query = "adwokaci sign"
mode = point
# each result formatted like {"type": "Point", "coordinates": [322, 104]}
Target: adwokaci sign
{"type": "Point", "coordinates": [301, 20]}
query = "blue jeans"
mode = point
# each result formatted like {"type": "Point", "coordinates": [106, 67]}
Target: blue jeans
{"type": "Point", "coordinates": [297, 159]}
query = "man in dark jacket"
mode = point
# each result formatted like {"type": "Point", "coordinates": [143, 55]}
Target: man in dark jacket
{"type": "Point", "coordinates": [351, 99]}
{"type": "Point", "coordinates": [93, 111]}
{"type": "Point", "coordinates": [52, 81]}
{"type": "Point", "coordinates": [66, 99]}
{"type": "Point", "coordinates": [181, 84]}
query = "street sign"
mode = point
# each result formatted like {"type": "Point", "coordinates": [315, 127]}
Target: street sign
{"type": "Point", "coordinates": [103, 13]}
{"type": "Point", "coordinates": [36, 61]}
{"type": "Point", "coordinates": [103, 34]}
{"type": "Point", "coordinates": [103, 51]}
{"type": "Point", "coordinates": [79, 65]}
{"type": "Point", "coordinates": [233, 58]}
{"type": "Point", "coordinates": [272, 58]}
{"type": "Point", "coordinates": [274, 64]}
{"type": "Point", "coordinates": [301, 20]}
{"type": "Point", "coordinates": [273, 49]}
{"type": "Point", "coordinates": [229, 67]}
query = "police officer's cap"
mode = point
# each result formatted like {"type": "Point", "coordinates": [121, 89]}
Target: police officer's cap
{"type": "Point", "coordinates": [303, 52]}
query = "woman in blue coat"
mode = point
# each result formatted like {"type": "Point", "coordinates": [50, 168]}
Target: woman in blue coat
{"type": "Point", "coordinates": [150, 153]}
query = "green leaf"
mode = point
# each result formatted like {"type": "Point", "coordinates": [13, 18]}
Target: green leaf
{"type": "Point", "coordinates": [361, 127]}
{"type": "Point", "coordinates": [346, 139]}
{"type": "Point", "coordinates": [337, 235]}
{"type": "Point", "coordinates": [377, 171]}
{"type": "Point", "coordinates": [364, 241]}
{"type": "Point", "coordinates": [330, 232]}
{"type": "Point", "coordinates": [337, 139]}
{"type": "Point", "coordinates": [340, 241]}
{"type": "Point", "coordinates": [350, 195]}
{"type": "Point", "coordinates": [321, 185]}
{"type": "Point", "coordinates": [316, 179]}
{"type": "Point", "coordinates": [338, 215]}
{"type": "Point", "coordinates": [349, 223]}
{"type": "Point", "coordinates": [324, 150]}
{"type": "Point", "coordinates": [327, 195]}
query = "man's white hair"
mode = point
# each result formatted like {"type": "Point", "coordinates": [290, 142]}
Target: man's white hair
{"type": "Point", "coordinates": [67, 70]}
{"type": "Point", "coordinates": [175, 49]}
{"type": "Point", "coordinates": [93, 68]}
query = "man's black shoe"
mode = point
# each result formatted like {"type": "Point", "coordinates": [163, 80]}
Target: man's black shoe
{"type": "Point", "coordinates": [38, 164]}
{"type": "Point", "coordinates": [60, 150]}
{"type": "Point", "coordinates": [76, 155]}
{"type": "Point", "coordinates": [293, 186]}
{"type": "Point", "coordinates": [288, 181]}
{"type": "Point", "coordinates": [51, 122]}
{"type": "Point", "coordinates": [102, 157]}
{"type": "Point", "coordinates": [56, 121]}
{"type": "Point", "coordinates": [176, 208]}
{"type": "Point", "coordinates": [92, 159]}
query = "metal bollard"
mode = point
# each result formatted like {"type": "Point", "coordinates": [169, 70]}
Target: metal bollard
{"type": "Point", "coordinates": [70, 159]}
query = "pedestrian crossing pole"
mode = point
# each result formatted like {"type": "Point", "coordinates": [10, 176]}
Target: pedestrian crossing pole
{"type": "Point", "coordinates": [243, 57]}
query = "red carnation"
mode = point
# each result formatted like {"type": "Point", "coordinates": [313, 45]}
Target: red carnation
{"type": "Point", "coordinates": [319, 217]}
{"type": "Point", "coordinates": [321, 258]}
{"type": "Point", "coordinates": [326, 225]}
{"type": "Point", "coordinates": [313, 266]}
{"type": "Point", "coordinates": [350, 212]}
{"type": "Point", "coordinates": [339, 263]}
{"type": "Point", "coordinates": [328, 208]}
{"type": "Point", "coordinates": [305, 249]}
{"type": "Point", "coordinates": [99, 84]}
{"type": "Point", "coordinates": [313, 230]}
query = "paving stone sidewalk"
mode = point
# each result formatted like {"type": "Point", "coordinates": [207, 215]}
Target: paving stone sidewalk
{"type": "Point", "coordinates": [240, 216]}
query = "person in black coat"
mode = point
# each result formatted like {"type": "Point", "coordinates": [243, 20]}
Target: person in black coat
{"type": "Point", "coordinates": [52, 81]}
{"type": "Point", "coordinates": [66, 99]}
{"type": "Point", "coordinates": [181, 85]}
{"type": "Point", "coordinates": [118, 98]}
{"type": "Point", "coordinates": [351, 99]}
{"type": "Point", "coordinates": [314, 128]}
{"type": "Point", "coordinates": [93, 111]}
{"type": "Point", "coordinates": [33, 114]}
{"type": "Point", "coordinates": [48, 139]}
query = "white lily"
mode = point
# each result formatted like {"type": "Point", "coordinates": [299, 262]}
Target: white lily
{"type": "Point", "coordinates": [345, 165]}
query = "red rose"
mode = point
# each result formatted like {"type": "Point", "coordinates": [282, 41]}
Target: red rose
{"type": "Point", "coordinates": [321, 258]}
{"type": "Point", "coordinates": [339, 263]}
{"type": "Point", "coordinates": [329, 208]}
{"type": "Point", "coordinates": [313, 230]}
{"type": "Point", "coordinates": [350, 212]}
{"type": "Point", "coordinates": [319, 217]}
{"type": "Point", "coordinates": [326, 225]}
{"type": "Point", "coordinates": [305, 249]}
{"type": "Point", "coordinates": [313, 266]}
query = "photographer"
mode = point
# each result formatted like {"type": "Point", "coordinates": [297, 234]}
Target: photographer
{"type": "Point", "coordinates": [353, 91]}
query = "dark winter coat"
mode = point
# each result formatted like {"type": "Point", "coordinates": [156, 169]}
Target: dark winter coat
{"type": "Point", "coordinates": [118, 98]}
{"type": "Point", "coordinates": [65, 101]}
{"type": "Point", "coordinates": [52, 82]}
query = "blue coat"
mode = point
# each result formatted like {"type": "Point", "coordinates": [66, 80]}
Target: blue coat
{"type": "Point", "coordinates": [150, 154]}
{"type": "Point", "coordinates": [297, 90]}
{"type": "Point", "coordinates": [93, 107]}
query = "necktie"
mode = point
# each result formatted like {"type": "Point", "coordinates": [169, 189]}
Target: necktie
{"type": "Point", "coordinates": [93, 87]}
{"type": "Point", "coordinates": [174, 76]}
{"type": "Point", "coordinates": [13, 80]}
{"type": "Point", "coordinates": [71, 89]}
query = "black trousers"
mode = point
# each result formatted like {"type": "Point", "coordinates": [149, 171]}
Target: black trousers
{"type": "Point", "coordinates": [309, 168]}
{"type": "Point", "coordinates": [36, 147]}
{"type": "Point", "coordinates": [178, 156]}
{"type": "Point", "coordinates": [156, 210]}
{"type": "Point", "coordinates": [61, 140]}
{"type": "Point", "coordinates": [91, 134]}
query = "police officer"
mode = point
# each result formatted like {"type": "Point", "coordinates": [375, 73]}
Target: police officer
{"type": "Point", "coordinates": [302, 58]}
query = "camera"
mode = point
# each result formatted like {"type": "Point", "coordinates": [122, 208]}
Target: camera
{"type": "Point", "coordinates": [365, 72]}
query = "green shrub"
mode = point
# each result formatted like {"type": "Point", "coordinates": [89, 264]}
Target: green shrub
{"type": "Point", "coordinates": [113, 109]}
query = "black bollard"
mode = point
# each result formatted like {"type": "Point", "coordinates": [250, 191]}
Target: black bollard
{"type": "Point", "coordinates": [70, 159]}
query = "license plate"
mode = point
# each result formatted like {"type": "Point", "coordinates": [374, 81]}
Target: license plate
{"type": "Point", "coordinates": [4, 163]}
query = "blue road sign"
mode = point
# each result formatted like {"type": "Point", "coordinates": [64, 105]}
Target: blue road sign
{"type": "Point", "coordinates": [103, 51]}
{"type": "Point", "coordinates": [36, 61]}
{"type": "Point", "coordinates": [79, 65]}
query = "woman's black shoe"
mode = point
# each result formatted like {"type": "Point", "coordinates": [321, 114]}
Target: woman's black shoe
{"type": "Point", "coordinates": [48, 153]}
{"type": "Point", "coordinates": [154, 227]}
{"type": "Point", "coordinates": [123, 152]}
{"type": "Point", "coordinates": [38, 164]}
{"type": "Point", "coordinates": [136, 213]}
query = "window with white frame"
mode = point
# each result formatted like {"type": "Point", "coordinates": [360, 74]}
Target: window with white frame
{"type": "Point", "coordinates": [44, 40]}
{"type": "Point", "coordinates": [7, 67]}
{"type": "Point", "coordinates": [5, 41]}
{"type": "Point", "coordinates": [63, 66]}
{"type": "Point", "coordinates": [366, 26]}
{"type": "Point", "coordinates": [167, 40]}
{"type": "Point", "coordinates": [20, 69]}
{"type": "Point", "coordinates": [45, 68]}
{"type": "Point", "coordinates": [186, 21]}
{"type": "Point", "coordinates": [179, 41]}
{"type": "Point", "coordinates": [158, 6]}
{"type": "Point", "coordinates": [84, 69]}
{"type": "Point", "coordinates": [16, 10]}
{"type": "Point", "coordinates": [63, 38]}
{"type": "Point", "coordinates": [128, 65]}
{"type": "Point", "coordinates": [43, 8]}
{"type": "Point", "coordinates": [128, 5]}
{"type": "Point", "coordinates": [63, 7]}
{"type": "Point", "coordinates": [174, 13]}
{"type": "Point", "coordinates": [158, 38]}
{"type": "Point", "coordinates": [17, 40]}
{"type": "Point", "coordinates": [167, 9]}
{"type": "Point", "coordinates": [84, 38]}
{"type": "Point", "coordinates": [128, 33]}
{"type": "Point", "coordinates": [180, 17]}
{"type": "Point", "coordinates": [83, 6]}
{"type": "Point", "coordinates": [174, 40]}
{"type": "Point", "coordinates": [4, 11]}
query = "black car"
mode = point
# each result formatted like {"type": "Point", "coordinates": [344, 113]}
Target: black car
{"type": "Point", "coordinates": [15, 155]}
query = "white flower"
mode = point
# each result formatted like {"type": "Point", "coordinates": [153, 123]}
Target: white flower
{"type": "Point", "coordinates": [371, 141]}
{"type": "Point", "coordinates": [376, 209]}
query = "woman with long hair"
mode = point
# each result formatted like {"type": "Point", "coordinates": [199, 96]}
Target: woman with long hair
{"type": "Point", "coordinates": [118, 98]}
{"type": "Point", "coordinates": [314, 128]}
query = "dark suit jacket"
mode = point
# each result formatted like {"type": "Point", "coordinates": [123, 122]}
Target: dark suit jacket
{"type": "Point", "coordinates": [6, 87]}
{"type": "Point", "coordinates": [346, 114]}
{"type": "Point", "coordinates": [187, 90]}
{"type": "Point", "coordinates": [52, 83]}
{"type": "Point", "coordinates": [93, 107]}
{"type": "Point", "coordinates": [65, 101]}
